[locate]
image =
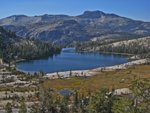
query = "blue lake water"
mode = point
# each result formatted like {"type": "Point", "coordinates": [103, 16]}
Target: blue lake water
{"type": "Point", "coordinates": [68, 60]}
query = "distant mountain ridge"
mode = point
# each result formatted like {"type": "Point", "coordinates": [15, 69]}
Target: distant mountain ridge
{"type": "Point", "coordinates": [64, 29]}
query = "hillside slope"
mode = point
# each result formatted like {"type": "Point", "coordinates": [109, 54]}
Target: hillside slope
{"type": "Point", "coordinates": [13, 47]}
{"type": "Point", "coordinates": [64, 29]}
{"type": "Point", "coordinates": [140, 46]}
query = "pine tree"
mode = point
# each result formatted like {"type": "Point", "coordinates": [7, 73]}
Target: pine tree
{"type": "Point", "coordinates": [8, 108]}
{"type": "Point", "coordinates": [22, 108]}
{"type": "Point", "coordinates": [122, 105]}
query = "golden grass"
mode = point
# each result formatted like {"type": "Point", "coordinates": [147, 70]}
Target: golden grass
{"type": "Point", "coordinates": [113, 79]}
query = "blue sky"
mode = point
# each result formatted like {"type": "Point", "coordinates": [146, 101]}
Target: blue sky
{"type": "Point", "coordinates": [135, 9]}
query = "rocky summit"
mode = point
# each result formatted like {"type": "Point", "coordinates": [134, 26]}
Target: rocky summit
{"type": "Point", "coordinates": [64, 29]}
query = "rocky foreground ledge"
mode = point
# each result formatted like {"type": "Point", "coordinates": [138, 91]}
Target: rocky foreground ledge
{"type": "Point", "coordinates": [68, 74]}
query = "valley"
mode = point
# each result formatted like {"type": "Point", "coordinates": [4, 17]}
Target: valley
{"type": "Point", "coordinates": [95, 62]}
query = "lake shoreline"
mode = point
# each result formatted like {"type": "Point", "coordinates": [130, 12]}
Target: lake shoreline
{"type": "Point", "coordinates": [92, 72]}
{"type": "Point", "coordinates": [115, 53]}
{"type": "Point", "coordinates": [131, 60]}
{"type": "Point", "coordinates": [69, 59]}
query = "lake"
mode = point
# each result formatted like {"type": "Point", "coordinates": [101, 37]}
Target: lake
{"type": "Point", "coordinates": [68, 60]}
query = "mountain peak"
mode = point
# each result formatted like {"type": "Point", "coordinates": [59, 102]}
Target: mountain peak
{"type": "Point", "coordinates": [65, 29]}
{"type": "Point", "coordinates": [92, 14]}
{"type": "Point", "coordinates": [17, 16]}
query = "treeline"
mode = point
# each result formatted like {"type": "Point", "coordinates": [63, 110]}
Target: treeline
{"type": "Point", "coordinates": [13, 47]}
{"type": "Point", "coordinates": [132, 48]}
{"type": "Point", "coordinates": [30, 50]}
{"type": "Point", "coordinates": [136, 47]}
{"type": "Point", "coordinates": [105, 40]}
{"type": "Point", "coordinates": [5, 38]}
{"type": "Point", "coordinates": [101, 101]}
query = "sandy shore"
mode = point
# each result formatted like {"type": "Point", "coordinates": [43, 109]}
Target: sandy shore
{"type": "Point", "coordinates": [92, 72]}
{"type": "Point", "coordinates": [123, 66]}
